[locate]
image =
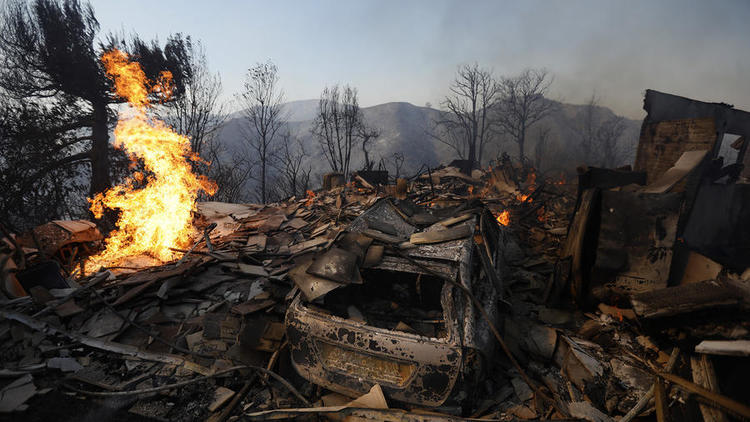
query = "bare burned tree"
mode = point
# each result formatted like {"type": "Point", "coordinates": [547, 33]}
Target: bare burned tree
{"type": "Point", "coordinates": [60, 106]}
{"type": "Point", "coordinates": [598, 135]}
{"type": "Point", "coordinates": [398, 162]}
{"type": "Point", "coordinates": [50, 57]}
{"type": "Point", "coordinates": [523, 103]}
{"type": "Point", "coordinates": [352, 124]}
{"type": "Point", "coordinates": [327, 126]}
{"type": "Point", "coordinates": [294, 173]}
{"type": "Point", "coordinates": [608, 137]}
{"type": "Point", "coordinates": [585, 126]}
{"type": "Point", "coordinates": [261, 101]}
{"type": "Point", "coordinates": [540, 146]}
{"type": "Point", "coordinates": [198, 113]}
{"type": "Point", "coordinates": [230, 170]}
{"type": "Point", "coordinates": [450, 135]}
{"type": "Point", "coordinates": [469, 121]}
{"type": "Point", "coordinates": [34, 189]}
{"type": "Point", "coordinates": [368, 134]}
{"type": "Point", "coordinates": [337, 126]}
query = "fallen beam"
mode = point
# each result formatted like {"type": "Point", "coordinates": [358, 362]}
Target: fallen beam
{"type": "Point", "coordinates": [686, 298]}
{"type": "Point", "coordinates": [708, 396]}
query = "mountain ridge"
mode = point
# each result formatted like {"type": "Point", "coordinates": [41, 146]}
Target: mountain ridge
{"type": "Point", "coordinates": [404, 129]}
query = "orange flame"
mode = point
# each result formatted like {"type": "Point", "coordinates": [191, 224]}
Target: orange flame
{"type": "Point", "coordinates": [531, 178]}
{"type": "Point", "coordinates": [504, 218]}
{"type": "Point", "coordinates": [531, 182]}
{"type": "Point", "coordinates": [561, 181]}
{"type": "Point", "coordinates": [522, 197]}
{"type": "Point", "coordinates": [310, 198]}
{"type": "Point", "coordinates": [156, 217]}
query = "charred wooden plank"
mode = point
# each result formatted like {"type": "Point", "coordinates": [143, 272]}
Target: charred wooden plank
{"type": "Point", "coordinates": [705, 376]}
{"type": "Point", "coordinates": [686, 298]}
{"type": "Point", "coordinates": [437, 236]}
{"type": "Point", "coordinates": [725, 347]}
{"type": "Point", "coordinates": [709, 397]}
{"type": "Point", "coordinates": [580, 244]}
{"type": "Point", "coordinates": [595, 177]}
{"type": "Point", "coordinates": [636, 239]}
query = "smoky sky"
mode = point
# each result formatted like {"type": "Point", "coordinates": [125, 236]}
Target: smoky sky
{"type": "Point", "coordinates": [409, 50]}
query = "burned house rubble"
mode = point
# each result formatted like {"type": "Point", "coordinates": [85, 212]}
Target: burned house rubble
{"type": "Point", "coordinates": [501, 294]}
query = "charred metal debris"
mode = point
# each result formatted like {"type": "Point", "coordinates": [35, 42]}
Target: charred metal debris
{"type": "Point", "coordinates": [458, 294]}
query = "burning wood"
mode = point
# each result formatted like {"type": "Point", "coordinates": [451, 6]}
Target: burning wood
{"type": "Point", "coordinates": [504, 218]}
{"type": "Point", "coordinates": [156, 204]}
{"type": "Point", "coordinates": [310, 198]}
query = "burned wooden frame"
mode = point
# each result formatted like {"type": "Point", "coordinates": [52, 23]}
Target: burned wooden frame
{"type": "Point", "coordinates": [634, 231]}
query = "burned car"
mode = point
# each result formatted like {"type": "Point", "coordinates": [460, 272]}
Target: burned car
{"type": "Point", "coordinates": [380, 304]}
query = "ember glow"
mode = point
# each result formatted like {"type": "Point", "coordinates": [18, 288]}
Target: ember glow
{"type": "Point", "coordinates": [523, 197]}
{"type": "Point", "coordinates": [504, 218]}
{"type": "Point", "coordinates": [531, 182]}
{"type": "Point", "coordinates": [310, 198]}
{"type": "Point", "coordinates": [561, 181]}
{"type": "Point", "coordinates": [531, 178]}
{"type": "Point", "coordinates": [155, 205]}
{"type": "Point", "coordinates": [541, 215]}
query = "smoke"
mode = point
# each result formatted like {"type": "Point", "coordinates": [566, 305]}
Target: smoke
{"type": "Point", "coordinates": [617, 49]}
{"type": "Point", "coordinates": [408, 51]}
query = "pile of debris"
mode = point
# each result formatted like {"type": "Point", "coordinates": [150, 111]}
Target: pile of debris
{"type": "Point", "coordinates": [449, 296]}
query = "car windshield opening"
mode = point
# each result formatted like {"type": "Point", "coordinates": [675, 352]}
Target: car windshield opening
{"type": "Point", "coordinates": [392, 300]}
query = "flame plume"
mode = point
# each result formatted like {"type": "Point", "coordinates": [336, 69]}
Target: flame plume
{"type": "Point", "coordinates": [503, 218]}
{"type": "Point", "coordinates": [155, 205]}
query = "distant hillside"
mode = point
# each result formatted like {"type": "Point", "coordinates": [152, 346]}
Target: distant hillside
{"type": "Point", "coordinates": [563, 152]}
{"type": "Point", "coordinates": [404, 129]}
{"type": "Point", "coordinates": [301, 111]}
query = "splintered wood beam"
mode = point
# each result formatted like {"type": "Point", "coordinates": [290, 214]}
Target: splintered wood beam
{"type": "Point", "coordinates": [709, 397]}
{"type": "Point", "coordinates": [705, 376]}
{"type": "Point", "coordinates": [660, 400]}
{"type": "Point", "coordinates": [685, 298]}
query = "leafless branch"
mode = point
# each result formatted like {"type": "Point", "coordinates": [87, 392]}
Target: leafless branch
{"type": "Point", "coordinates": [262, 107]}
{"type": "Point", "coordinates": [469, 124]}
{"type": "Point", "coordinates": [523, 103]}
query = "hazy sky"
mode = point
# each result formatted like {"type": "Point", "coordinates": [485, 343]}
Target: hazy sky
{"type": "Point", "coordinates": [399, 50]}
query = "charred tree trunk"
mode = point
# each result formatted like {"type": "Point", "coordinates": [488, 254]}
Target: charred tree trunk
{"type": "Point", "coordinates": [472, 156]}
{"type": "Point", "coordinates": [263, 179]}
{"type": "Point", "coordinates": [368, 163]}
{"type": "Point", "coordinates": [473, 143]}
{"type": "Point", "coordinates": [99, 154]}
{"type": "Point", "coordinates": [521, 143]}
